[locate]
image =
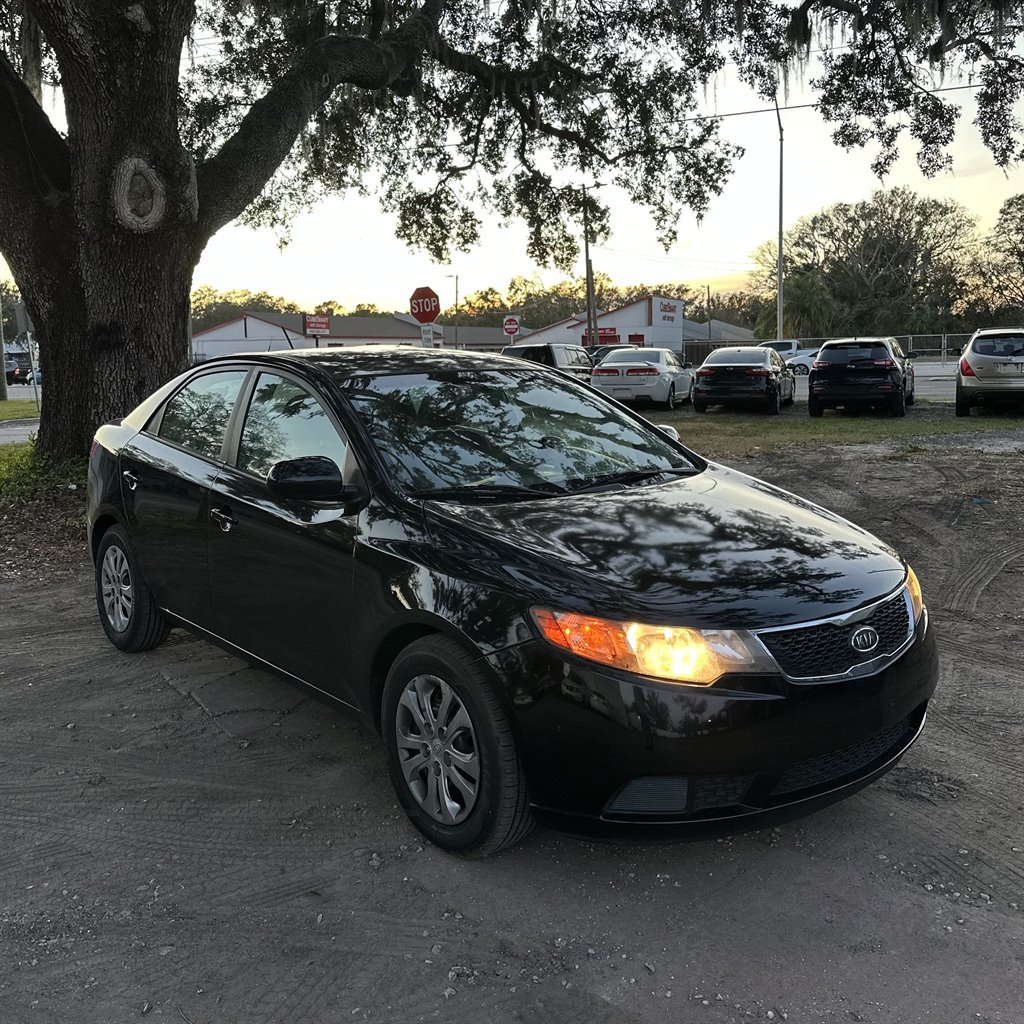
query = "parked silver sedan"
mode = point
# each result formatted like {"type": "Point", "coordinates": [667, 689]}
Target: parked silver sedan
{"type": "Point", "coordinates": [991, 366]}
{"type": "Point", "coordinates": [644, 374]}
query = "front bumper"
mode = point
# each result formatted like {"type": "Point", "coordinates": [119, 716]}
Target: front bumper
{"type": "Point", "coordinates": [608, 752]}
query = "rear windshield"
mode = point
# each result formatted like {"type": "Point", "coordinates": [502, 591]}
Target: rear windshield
{"type": "Point", "coordinates": [730, 357]}
{"type": "Point", "coordinates": [632, 355]}
{"type": "Point", "coordinates": [853, 353]}
{"type": "Point", "coordinates": [999, 345]}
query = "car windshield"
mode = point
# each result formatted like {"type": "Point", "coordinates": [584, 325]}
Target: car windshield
{"type": "Point", "coordinates": [632, 355]}
{"type": "Point", "coordinates": [745, 357]}
{"type": "Point", "coordinates": [503, 432]}
{"type": "Point", "coordinates": [853, 353]}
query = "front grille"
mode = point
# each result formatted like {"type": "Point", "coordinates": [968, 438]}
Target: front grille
{"type": "Point", "coordinates": [810, 651]}
{"type": "Point", "coordinates": [819, 771]}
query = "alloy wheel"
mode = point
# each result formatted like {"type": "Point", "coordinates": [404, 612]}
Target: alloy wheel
{"type": "Point", "coordinates": [438, 750]}
{"type": "Point", "coordinates": [118, 592]}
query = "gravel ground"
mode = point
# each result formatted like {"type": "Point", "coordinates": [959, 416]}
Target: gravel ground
{"type": "Point", "coordinates": [188, 839]}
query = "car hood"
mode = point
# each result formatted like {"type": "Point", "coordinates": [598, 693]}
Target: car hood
{"type": "Point", "coordinates": [717, 549]}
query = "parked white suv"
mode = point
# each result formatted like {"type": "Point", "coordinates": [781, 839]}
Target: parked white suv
{"type": "Point", "coordinates": [991, 366]}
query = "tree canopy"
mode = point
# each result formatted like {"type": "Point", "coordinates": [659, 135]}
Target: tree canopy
{"type": "Point", "coordinates": [184, 115]}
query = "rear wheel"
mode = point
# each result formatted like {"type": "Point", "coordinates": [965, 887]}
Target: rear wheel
{"type": "Point", "coordinates": [128, 613]}
{"type": "Point", "coordinates": [898, 405]}
{"type": "Point", "coordinates": [670, 402]}
{"type": "Point", "coordinates": [814, 406]}
{"type": "Point", "coordinates": [689, 394]}
{"type": "Point", "coordinates": [451, 753]}
{"type": "Point", "coordinates": [910, 397]}
{"type": "Point", "coordinates": [774, 402]}
{"type": "Point", "coordinates": [699, 406]}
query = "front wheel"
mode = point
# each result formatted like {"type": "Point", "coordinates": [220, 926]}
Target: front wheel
{"type": "Point", "coordinates": [128, 613]}
{"type": "Point", "coordinates": [450, 750]}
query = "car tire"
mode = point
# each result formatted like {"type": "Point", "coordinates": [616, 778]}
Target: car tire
{"type": "Point", "coordinates": [802, 370]}
{"type": "Point", "coordinates": [689, 394]}
{"type": "Point", "coordinates": [963, 403]}
{"type": "Point", "coordinates": [473, 818]}
{"type": "Point", "coordinates": [814, 407]}
{"type": "Point", "coordinates": [670, 402]}
{"type": "Point", "coordinates": [699, 406]}
{"type": "Point", "coordinates": [129, 615]}
{"type": "Point", "coordinates": [910, 397]}
{"type": "Point", "coordinates": [774, 403]}
{"type": "Point", "coordinates": [898, 405]}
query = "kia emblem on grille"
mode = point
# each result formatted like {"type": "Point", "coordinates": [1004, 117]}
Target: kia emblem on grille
{"type": "Point", "coordinates": [864, 639]}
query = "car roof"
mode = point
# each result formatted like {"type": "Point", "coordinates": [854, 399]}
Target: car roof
{"type": "Point", "coordinates": [982, 331]}
{"type": "Point", "coordinates": [735, 350]}
{"type": "Point", "coordinates": [861, 340]}
{"type": "Point", "coordinates": [375, 359]}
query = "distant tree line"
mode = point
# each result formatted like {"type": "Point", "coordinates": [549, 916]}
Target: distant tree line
{"type": "Point", "coordinates": [211, 307]}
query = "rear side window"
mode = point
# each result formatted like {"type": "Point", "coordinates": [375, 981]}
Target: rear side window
{"type": "Point", "coordinates": [534, 353]}
{"type": "Point", "coordinates": [284, 421]}
{"type": "Point", "coordinates": [196, 418]}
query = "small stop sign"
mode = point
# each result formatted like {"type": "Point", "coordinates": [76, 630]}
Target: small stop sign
{"type": "Point", "coordinates": [424, 305]}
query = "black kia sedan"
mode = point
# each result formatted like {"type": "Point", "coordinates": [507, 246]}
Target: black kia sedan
{"type": "Point", "coordinates": [545, 605]}
{"type": "Point", "coordinates": [854, 373]}
{"type": "Point", "coordinates": [746, 375]}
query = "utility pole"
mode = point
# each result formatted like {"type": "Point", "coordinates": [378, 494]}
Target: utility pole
{"type": "Point", "coordinates": [780, 262]}
{"type": "Point", "coordinates": [709, 312]}
{"type": "Point", "coordinates": [589, 270]}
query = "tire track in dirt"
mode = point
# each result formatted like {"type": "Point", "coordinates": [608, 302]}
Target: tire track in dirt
{"type": "Point", "coordinates": [965, 591]}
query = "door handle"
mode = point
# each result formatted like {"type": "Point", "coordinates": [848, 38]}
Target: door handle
{"type": "Point", "coordinates": [223, 517]}
{"type": "Point", "coordinates": [130, 479]}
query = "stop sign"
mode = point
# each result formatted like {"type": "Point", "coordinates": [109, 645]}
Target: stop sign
{"type": "Point", "coordinates": [424, 305]}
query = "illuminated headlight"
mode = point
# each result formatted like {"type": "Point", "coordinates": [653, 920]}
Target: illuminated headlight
{"type": "Point", "coordinates": [697, 657]}
{"type": "Point", "coordinates": [914, 590]}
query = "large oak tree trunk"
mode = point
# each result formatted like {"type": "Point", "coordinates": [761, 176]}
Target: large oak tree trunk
{"type": "Point", "coordinates": [105, 261]}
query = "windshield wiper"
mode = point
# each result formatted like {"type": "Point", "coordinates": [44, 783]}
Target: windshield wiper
{"type": "Point", "coordinates": [488, 492]}
{"type": "Point", "coordinates": [630, 476]}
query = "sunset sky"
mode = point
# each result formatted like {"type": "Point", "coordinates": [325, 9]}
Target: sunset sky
{"type": "Point", "coordinates": [345, 248]}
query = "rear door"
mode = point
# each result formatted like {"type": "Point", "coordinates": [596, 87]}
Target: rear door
{"type": "Point", "coordinates": [166, 473]}
{"type": "Point", "coordinates": [281, 572]}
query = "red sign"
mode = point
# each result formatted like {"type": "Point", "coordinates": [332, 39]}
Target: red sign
{"type": "Point", "coordinates": [510, 325]}
{"type": "Point", "coordinates": [424, 305]}
{"type": "Point", "coordinates": [316, 323]}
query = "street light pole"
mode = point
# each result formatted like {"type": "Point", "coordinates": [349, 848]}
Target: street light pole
{"type": "Point", "coordinates": [780, 262]}
{"type": "Point", "coordinates": [456, 276]}
{"type": "Point", "coordinates": [589, 270]}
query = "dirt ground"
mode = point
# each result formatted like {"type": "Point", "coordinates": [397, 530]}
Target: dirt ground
{"type": "Point", "coordinates": [187, 839]}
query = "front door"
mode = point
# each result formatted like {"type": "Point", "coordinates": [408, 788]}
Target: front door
{"type": "Point", "coordinates": [281, 572]}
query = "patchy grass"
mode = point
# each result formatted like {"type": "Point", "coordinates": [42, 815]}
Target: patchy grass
{"type": "Point", "coordinates": [42, 513]}
{"type": "Point", "coordinates": [720, 433]}
{"type": "Point", "coordinates": [18, 409]}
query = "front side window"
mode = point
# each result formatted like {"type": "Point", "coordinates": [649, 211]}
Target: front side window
{"type": "Point", "coordinates": [196, 418]}
{"type": "Point", "coordinates": [502, 430]}
{"type": "Point", "coordinates": [284, 421]}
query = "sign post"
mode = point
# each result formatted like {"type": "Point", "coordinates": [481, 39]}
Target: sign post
{"type": "Point", "coordinates": [510, 325]}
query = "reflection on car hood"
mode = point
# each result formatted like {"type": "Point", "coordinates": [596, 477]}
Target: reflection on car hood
{"type": "Point", "coordinates": [719, 548]}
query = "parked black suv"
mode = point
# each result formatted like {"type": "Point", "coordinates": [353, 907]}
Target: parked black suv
{"type": "Point", "coordinates": [570, 359]}
{"type": "Point", "coordinates": [858, 372]}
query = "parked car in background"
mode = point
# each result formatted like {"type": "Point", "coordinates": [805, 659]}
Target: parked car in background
{"type": "Point", "coordinates": [9, 367]}
{"type": "Point", "coordinates": [570, 359]}
{"type": "Point", "coordinates": [25, 375]}
{"type": "Point", "coordinates": [600, 351]}
{"type": "Point", "coordinates": [541, 602]}
{"type": "Point", "coordinates": [801, 363]}
{"type": "Point", "coordinates": [787, 348]}
{"type": "Point", "coordinates": [644, 375]}
{"type": "Point", "coordinates": [861, 373]}
{"type": "Point", "coordinates": [991, 367]}
{"type": "Point", "coordinates": [748, 375]}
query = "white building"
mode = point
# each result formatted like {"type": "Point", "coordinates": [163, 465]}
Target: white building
{"type": "Point", "coordinates": [654, 322]}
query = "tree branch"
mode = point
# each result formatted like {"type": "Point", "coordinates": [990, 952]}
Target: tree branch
{"type": "Point", "coordinates": [231, 179]}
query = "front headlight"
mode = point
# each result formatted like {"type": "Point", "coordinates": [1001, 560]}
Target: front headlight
{"type": "Point", "coordinates": [914, 589]}
{"type": "Point", "coordinates": [678, 653]}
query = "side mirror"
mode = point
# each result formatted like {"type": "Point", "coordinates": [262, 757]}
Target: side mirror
{"type": "Point", "coordinates": [671, 431]}
{"type": "Point", "coordinates": [311, 478]}
{"type": "Point", "coordinates": [911, 355]}
{"type": "Point", "coordinates": [687, 366]}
